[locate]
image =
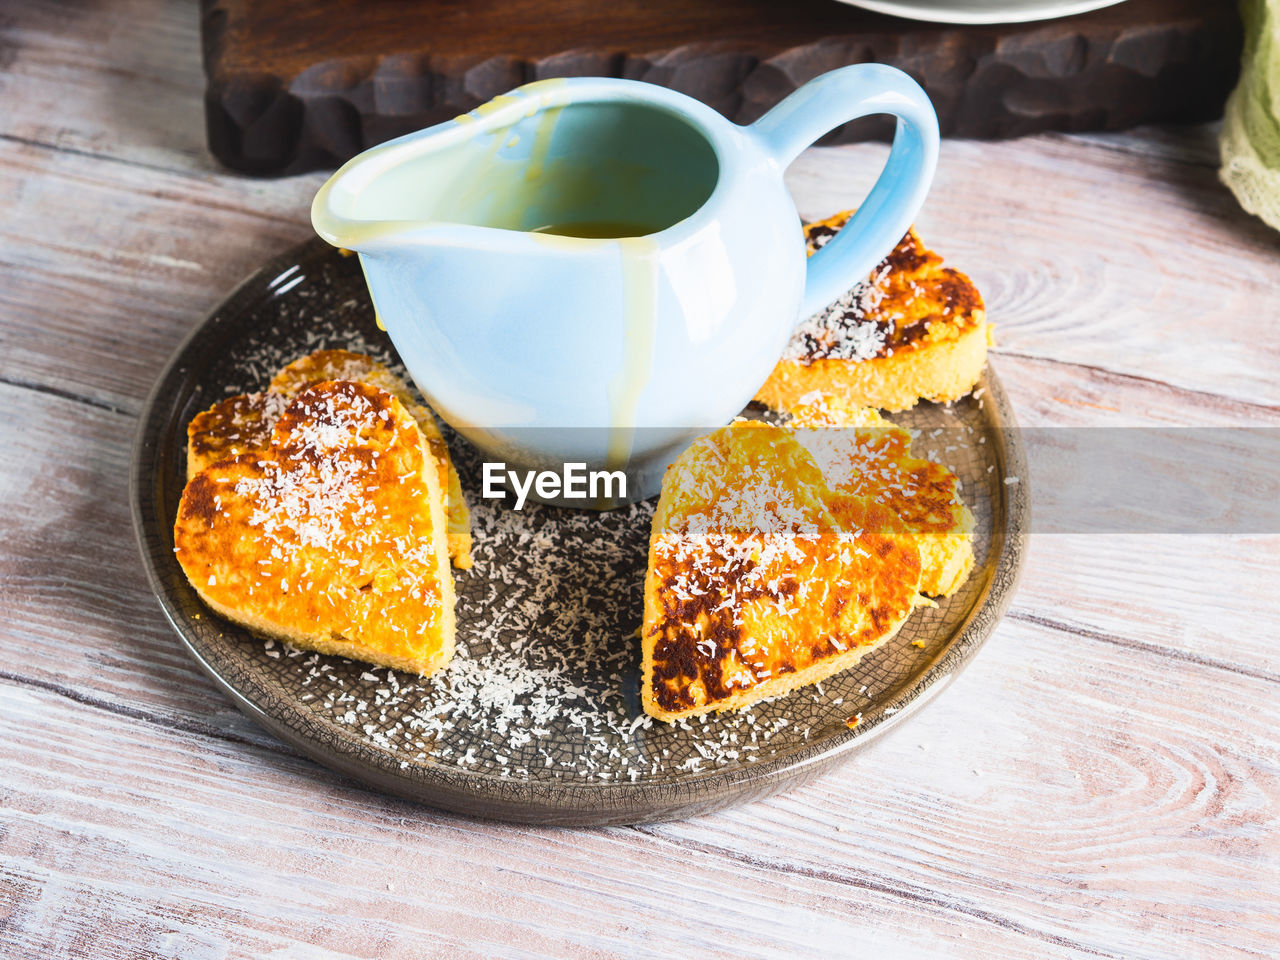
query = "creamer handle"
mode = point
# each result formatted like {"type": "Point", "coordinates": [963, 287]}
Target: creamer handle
{"type": "Point", "coordinates": [820, 106]}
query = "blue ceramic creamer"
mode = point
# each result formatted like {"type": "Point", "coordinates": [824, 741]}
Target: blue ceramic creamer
{"type": "Point", "coordinates": [595, 270]}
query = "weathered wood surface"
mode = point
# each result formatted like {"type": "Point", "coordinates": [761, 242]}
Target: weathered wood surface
{"type": "Point", "coordinates": [1104, 780]}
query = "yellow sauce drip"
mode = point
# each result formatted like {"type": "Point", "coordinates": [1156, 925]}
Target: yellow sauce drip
{"type": "Point", "coordinates": [640, 305]}
{"type": "Point", "coordinates": [542, 142]}
{"type": "Point", "coordinates": [494, 105]}
{"type": "Point", "coordinates": [377, 314]}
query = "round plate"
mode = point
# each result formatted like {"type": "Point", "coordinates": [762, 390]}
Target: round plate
{"type": "Point", "coordinates": [538, 717]}
{"type": "Point", "coordinates": [982, 11]}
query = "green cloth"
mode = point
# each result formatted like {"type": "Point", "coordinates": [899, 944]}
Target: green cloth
{"type": "Point", "coordinates": [1251, 128]}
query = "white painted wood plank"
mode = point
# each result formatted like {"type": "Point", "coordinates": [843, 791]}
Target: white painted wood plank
{"type": "Point", "coordinates": [76, 612]}
{"type": "Point", "coordinates": [1192, 144]}
{"type": "Point", "coordinates": [1049, 393]}
{"type": "Point", "coordinates": [120, 80]}
{"type": "Point", "coordinates": [1201, 596]}
{"type": "Point", "coordinates": [105, 267]}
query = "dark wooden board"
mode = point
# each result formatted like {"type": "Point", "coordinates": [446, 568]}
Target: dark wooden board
{"type": "Point", "coordinates": [296, 85]}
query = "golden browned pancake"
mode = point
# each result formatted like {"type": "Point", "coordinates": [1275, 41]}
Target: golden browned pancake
{"type": "Point", "coordinates": [236, 425]}
{"type": "Point", "coordinates": [760, 578]}
{"type": "Point", "coordinates": [863, 454]}
{"type": "Point", "coordinates": [242, 424]}
{"type": "Point", "coordinates": [346, 365]}
{"type": "Point", "coordinates": [332, 537]}
{"type": "Point", "coordinates": [914, 330]}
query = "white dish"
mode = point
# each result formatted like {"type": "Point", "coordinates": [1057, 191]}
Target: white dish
{"type": "Point", "coordinates": [981, 11]}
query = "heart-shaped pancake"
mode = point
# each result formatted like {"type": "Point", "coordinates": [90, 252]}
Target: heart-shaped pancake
{"type": "Point", "coordinates": [333, 537]}
{"type": "Point", "coordinates": [761, 578]}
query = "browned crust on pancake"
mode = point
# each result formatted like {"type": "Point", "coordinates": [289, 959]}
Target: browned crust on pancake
{"type": "Point", "coordinates": [703, 657]}
{"type": "Point", "coordinates": [236, 425]}
{"type": "Point", "coordinates": [242, 424]}
{"type": "Point", "coordinates": [905, 296]}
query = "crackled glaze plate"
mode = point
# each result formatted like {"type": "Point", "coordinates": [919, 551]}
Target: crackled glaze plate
{"type": "Point", "coordinates": [538, 717]}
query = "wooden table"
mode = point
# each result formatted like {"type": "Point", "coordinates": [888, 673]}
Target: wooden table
{"type": "Point", "coordinates": [1104, 780]}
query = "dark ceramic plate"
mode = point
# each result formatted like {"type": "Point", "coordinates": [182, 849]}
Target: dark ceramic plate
{"type": "Point", "coordinates": [538, 718]}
